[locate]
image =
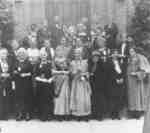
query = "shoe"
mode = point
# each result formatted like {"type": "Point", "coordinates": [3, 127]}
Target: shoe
{"type": "Point", "coordinates": [19, 117]}
{"type": "Point", "coordinates": [43, 119]}
{"type": "Point", "coordinates": [50, 117]}
{"type": "Point", "coordinates": [27, 118]}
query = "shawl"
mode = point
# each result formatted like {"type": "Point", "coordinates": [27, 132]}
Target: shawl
{"type": "Point", "coordinates": [144, 63]}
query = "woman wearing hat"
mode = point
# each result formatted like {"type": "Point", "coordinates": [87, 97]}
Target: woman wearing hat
{"type": "Point", "coordinates": [62, 87]}
{"type": "Point", "coordinates": [5, 84]}
{"type": "Point", "coordinates": [23, 85]}
{"type": "Point", "coordinates": [80, 101]}
{"type": "Point", "coordinates": [44, 86]}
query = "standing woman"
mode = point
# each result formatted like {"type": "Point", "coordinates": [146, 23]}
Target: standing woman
{"type": "Point", "coordinates": [23, 85]}
{"type": "Point", "coordinates": [5, 84]}
{"type": "Point", "coordinates": [44, 87]}
{"type": "Point", "coordinates": [138, 83]}
{"type": "Point", "coordinates": [98, 82]}
{"type": "Point", "coordinates": [62, 88]}
{"type": "Point", "coordinates": [115, 86]}
{"type": "Point", "coordinates": [80, 89]}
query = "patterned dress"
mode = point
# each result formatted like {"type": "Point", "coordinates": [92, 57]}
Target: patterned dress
{"type": "Point", "coordinates": [81, 90]}
{"type": "Point", "coordinates": [62, 88]}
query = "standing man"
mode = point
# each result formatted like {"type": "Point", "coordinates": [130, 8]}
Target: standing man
{"type": "Point", "coordinates": [57, 32]}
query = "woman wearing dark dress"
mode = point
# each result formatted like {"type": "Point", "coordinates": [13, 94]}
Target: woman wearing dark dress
{"type": "Point", "coordinates": [44, 85]}
{"type": "Point", "coordinates": [5, 84]}
{"type": "Point", "coordinates": [115, 86]}
{"type": "Point", "coordinates": [98, 83]}
{"type": "Point", "coordinates": [23, 85]}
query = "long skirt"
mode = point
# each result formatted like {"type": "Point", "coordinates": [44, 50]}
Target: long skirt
{"type": "Point", "coordinates": [80, 97]}
{"type": "Point", "coordinates": [62, 92]}
{"type": "Point", "coordinates": [146, 127]}
{"type": "Point", "coordinates": [137, 94]}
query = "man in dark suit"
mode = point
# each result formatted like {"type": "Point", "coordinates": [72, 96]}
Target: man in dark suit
{"type": "Point", "coordinates": [56, 32]}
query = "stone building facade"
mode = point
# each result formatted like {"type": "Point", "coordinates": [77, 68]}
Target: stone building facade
{"type": "Point", "coordinates": [27, 12]}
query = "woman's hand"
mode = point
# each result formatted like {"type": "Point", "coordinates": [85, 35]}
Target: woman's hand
{"type": "Point", "coordinates": [141, 75]}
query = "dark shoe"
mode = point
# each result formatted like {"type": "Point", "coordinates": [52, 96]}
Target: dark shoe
{"type": "Point", "coordinates": [43, 119]}
{"type": "Point", "coordinates": [27, 118]}
{"type": "Point", "coordinates": [50, 117]}
{"type": "Point", "coordinates": [19, 117]}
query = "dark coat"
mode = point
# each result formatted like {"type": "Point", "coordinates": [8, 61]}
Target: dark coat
{"type": "Point", "coordinates": [98, 82]}
{"type": "Point", "coordinates": [115, 89]}
{"type": "Point", "coordinates": [23, 84]}
{"type": "Point", "coordinates": [56, 35]}
{"type": "Point", "coordinates": [5, 83]}
{"type": "Point", "coordinates": [45, 89]}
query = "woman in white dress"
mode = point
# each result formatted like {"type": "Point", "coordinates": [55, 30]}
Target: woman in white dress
{"type": "Point", "coordinates": [62, 88]}
{"type": "Point", "coordinates": [80, 103]}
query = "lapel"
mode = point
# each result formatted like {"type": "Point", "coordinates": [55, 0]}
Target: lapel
{"type": "Point", "coordinates": [8, 66]}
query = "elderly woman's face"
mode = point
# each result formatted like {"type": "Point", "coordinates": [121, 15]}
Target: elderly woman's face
{"type": "Point", "coordinates": [22, 56]}
{"type": "Point", "coordinates": [132, 52]}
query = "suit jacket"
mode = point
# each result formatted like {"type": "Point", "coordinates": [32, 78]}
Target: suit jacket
{"type": "Point", "coordinates": [114, 88]}
{"type": "Point", "coordinates": [5, 83]}
{"type": "Point", "coordinates": [23, 84]}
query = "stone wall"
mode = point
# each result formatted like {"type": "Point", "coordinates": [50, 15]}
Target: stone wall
{"type": "Point", "coordinates": [27, 12]}
{"type": "Point", "coordinates": [102, 11]}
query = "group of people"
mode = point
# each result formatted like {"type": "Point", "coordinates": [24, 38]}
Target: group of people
{"type": "Point", "coordinates": [66, 76]}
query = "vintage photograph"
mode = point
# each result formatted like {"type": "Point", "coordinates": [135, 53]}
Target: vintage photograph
{"type": "Point", "coordinates": [75, 66]}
